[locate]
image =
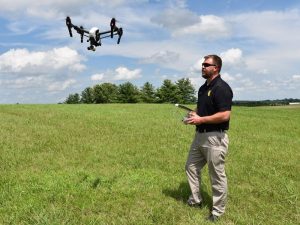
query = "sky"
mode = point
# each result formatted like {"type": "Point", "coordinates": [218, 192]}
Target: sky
{"type": "Point", "coordinates": [40, 63]}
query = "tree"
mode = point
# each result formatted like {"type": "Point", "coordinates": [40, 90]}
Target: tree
{"type": "Point", "coordinates": [128, 93]}
{"type": "Point", "coordinates": [87, 96]}
{"type": "Point", "coordinates": [148, 94]}
{"type": "Point", "coordinates": [186, 91]}
{"type": "Point", "coordinates": [98, 94]}
{"type": "Point", "coordinates": [73, 99]}
{"type": "Point", "coordinates": [105, 93]}
{"type": "Point", "coordinates": [168, 92]}
{"type": "Point", "coordinates": [181, 92]}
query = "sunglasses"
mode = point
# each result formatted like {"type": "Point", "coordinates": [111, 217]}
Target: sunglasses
{"type": "Point", "coordinates": [204, 65]}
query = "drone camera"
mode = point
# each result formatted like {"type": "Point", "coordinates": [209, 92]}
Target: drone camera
{"type": "Point", "coordinates": [92, 47]}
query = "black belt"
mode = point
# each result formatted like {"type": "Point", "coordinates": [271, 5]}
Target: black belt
{"type": "Point", "coordinates": [210, 130]}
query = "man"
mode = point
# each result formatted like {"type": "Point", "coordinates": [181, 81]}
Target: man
{"type": "Point", "coordinates": [210, 143]}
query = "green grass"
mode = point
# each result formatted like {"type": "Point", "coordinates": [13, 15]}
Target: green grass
{"type": "Point", "coordinates": [124, 164]}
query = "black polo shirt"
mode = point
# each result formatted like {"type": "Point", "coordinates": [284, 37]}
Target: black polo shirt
{"type": "Point", "coordinates": [213, 98]}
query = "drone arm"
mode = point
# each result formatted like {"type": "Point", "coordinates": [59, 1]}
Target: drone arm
{"type": "Point", "coordinates": [70, 31]}
{"type": "Point", "coordinates": [113, 30]}
{"type": "Point", "coordinates": [105, 32]}
{"type": "Point", "coordinates": [120, 33]}
{"type": "Point", "coordinates": [80, 31]}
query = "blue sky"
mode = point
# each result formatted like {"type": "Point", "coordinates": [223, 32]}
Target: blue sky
{"type": "Point", "coordinates": [258, 41]}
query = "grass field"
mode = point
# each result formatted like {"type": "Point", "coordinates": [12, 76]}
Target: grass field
{"type": "Point", "coordinates": [124, 164]}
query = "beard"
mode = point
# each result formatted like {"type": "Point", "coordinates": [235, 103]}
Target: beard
{"type": "Point", "coordinates": [205, 76]}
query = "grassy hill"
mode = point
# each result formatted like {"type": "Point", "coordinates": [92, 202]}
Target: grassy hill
{"type": "Point", "coordinates": [124, 164]}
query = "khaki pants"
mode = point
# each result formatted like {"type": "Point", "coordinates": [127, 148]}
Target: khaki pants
{"type": "Point", "coordinates": [208, 148]}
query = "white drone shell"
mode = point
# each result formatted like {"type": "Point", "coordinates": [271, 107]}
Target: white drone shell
{"type": "Point", "coordinates": [93, 31]}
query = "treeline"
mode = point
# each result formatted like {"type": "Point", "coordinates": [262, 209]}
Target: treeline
{"type": "Point", "coordinates": [181, 91]}
{"type": "Point", "coordinates": [277, 102]}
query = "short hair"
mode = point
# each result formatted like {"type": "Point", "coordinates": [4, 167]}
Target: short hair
{"type": "Point", "coordinates": [216, 60]}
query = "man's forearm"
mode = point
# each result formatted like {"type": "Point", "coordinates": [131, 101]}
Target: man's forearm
{"type": "Point", "coordinates": [216, 118]}
{"type": "Point", "coordinates": [219, 117]}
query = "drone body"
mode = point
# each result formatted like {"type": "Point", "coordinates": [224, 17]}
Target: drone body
{"type": "Point", "coordinates": [94, 35]}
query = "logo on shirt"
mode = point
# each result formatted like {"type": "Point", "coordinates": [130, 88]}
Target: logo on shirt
{"type": "Point", "coordinates": [208, 93]}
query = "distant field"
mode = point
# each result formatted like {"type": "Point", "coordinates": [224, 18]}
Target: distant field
{"type": "Point", "coordinates": [124, 164]}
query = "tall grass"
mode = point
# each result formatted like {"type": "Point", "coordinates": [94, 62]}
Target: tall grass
{"type": "Point", "coordinates": [124, 164]}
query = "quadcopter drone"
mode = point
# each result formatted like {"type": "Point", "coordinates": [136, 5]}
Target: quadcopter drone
{"type": "Point", "coordinates": [94, 35]}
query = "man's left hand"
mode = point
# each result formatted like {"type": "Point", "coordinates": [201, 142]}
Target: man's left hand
{"type": "Point", "coordinates": [194, 119]}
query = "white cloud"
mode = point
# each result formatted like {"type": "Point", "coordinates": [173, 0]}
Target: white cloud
{"type": "Point", "coordinates": [40, 82]}
{"type": "Point", "coordinates": [227, 77]}
{"type": "Point", "coordinates": [23, 61]}
{"type": "Point", "coordinates": [296, 78]}
{"type": "Point", "coordinates": [119, 74]}
{"type": "Point", "coordinates": [53, 70]}
{"type": "Point", "coordinates": [24, 82]}
{"type": "Point", "coordinates": [197, 67]}
{"type": "Point", "coordinates": [122, 73]}
{"type": "Point", "coordinates": [270, 26]}
{"type": "Point", "coordinates": [263, 71]}
{"type": "Point", "coordinates": [197, 82]}
{"type": "Point", "coordinates": [162, 57]}
{"type": "Point", "coordinates": [183, 22]}
{"type": "Point", "coordinates": [152, 51]}
{"type": "Point", "coordinates": [21, 27]}
{"type": "Point", "coordinates": [233, 56]}
{"type": "Point", "coordinates": [175, 18]}
{"type": "Point", "coordinates": [53, 9]}
{"type": "Point", "coordinates": [247, 84]}
{"type": "Point", "coordinates": [60, 86]}
{"type": "Point", "coordinates": [97, 77]}
{"type": "Point", "coordinates": [179, 3]}
{"type": "Point", "coordinates": [65, 58]}
{"type": "Point", "coordinates": [209, 26]}
{"type": "Point", "coordinates": [264, 35]}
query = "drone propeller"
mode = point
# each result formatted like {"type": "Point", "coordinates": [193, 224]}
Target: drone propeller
{"type": "Point", "coordinates": [112, 27]}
